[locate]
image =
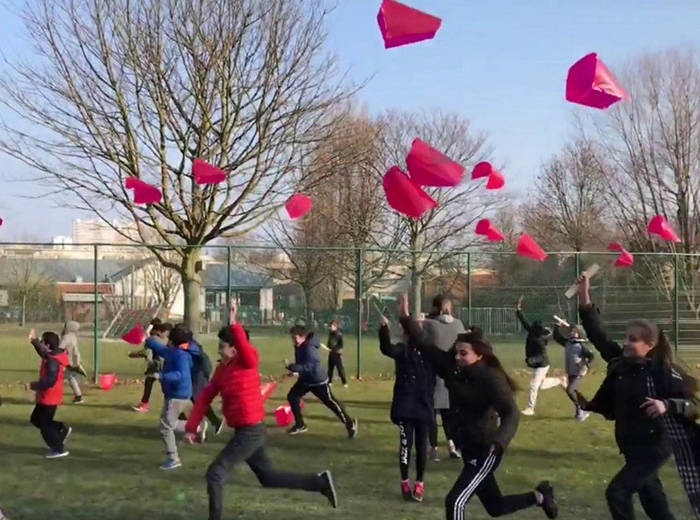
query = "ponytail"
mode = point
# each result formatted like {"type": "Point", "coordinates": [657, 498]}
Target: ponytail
{"type": "Point", "coordinates": [664, 351]}
{"type": "Point", "coordinates": [492, 361]}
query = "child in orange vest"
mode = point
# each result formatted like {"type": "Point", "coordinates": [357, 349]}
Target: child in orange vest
{"type": "Point", "coordinates": [49, 392]}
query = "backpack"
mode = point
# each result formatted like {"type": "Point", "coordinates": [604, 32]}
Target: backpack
{"type": "Point", "coordinates": [201, 364]}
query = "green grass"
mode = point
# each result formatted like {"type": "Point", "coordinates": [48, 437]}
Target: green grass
{"type": "Point", "coordinates": [113, 473]}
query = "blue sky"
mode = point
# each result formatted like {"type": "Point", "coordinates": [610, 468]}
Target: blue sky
{"type": "Point", "coordinates": [501, 63]}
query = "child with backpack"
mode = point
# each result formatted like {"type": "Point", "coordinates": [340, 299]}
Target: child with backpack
{"type": "Point", "coordinates": [69, 343]}
{"type": "Point", "coordinates": [159, 331]}
{"type": "Point", "coordinates": [577, 357]}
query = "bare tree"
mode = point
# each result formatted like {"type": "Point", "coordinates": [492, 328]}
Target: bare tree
{"type": "Point", "coordinates": [653, 144]}
{"type": "Point", "coordinates": [26, 280]}
{"type": "Point", "coordinates": [442, 231]}
{"type": "Point", "coordinates": [121, 88]}
{"type": "Point", "coordinates": [566, 207]}
{"type": "Point", "coordinates": [162, 283]}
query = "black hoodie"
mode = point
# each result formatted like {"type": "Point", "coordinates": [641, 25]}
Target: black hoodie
{"type": "Point", "coordinates": [535, 343]}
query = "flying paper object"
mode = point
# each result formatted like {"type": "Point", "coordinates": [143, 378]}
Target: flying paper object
{"type": "Point", "coordinates": [205, 173]}
{"type": "Point", "coordinates": [481, 170]}
{"type": "Point", "coordinates": [528, 247]}
{"type": "Point", "coordinates": [659, 226]}
{"type": "Point", "coordinates": [495, 179]}
{"type": "Point", "coordinates": [144, 193]}
{"type": "Point", "coordinates": [485, 228]}
{"type": "Point", "coordinates": [429, 167]}
{"type": "Point", "coordinates": [625, 259]}
{"type": "Point", "coordinates": [591, 84]}
{"type": "Point", "coordinates": [405, 195]}
{"type": "Point", "coordinates": [403, 25]}
{"type": "Point", "coordinates": [298, 205]}
{"type": "Point", "coordinates": [135, 336]}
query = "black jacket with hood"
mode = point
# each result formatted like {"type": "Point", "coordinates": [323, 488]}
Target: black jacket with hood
{"type": "Point", "coordinates": [538, 337]}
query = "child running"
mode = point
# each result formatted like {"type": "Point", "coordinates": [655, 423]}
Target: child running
{"type": "Point", "coordinates": [49, 393]}
{"type": "Point", "coordinates": [654, 409]}
{"type": "Point", "coordinates": [159, 331]}
{"type": "Point", "coordinates": [576, 360]}
{"type": "Point", "coordinates": [411, 407]}
{"type": "Point", "coordinates": [312, 378]}
{"type": "Point", "coordinates": [69, 343]}
{"type": "Point", "coordinates": [237, 380]}
{"type": "Point", "coordinates": [536, 358]}
{"type": "Point", "coordinates": [486, 420]}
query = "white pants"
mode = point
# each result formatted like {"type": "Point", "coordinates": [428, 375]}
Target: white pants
{"type": "Point", "coordinates": [540, 381]}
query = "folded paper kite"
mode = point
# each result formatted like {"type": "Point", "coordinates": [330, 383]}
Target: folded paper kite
{"type": "Point", "coordinates": [495, 180]}
{"type": "Point", "coordinates": [485, 228]}
{"type": "Point", "coordinates": [403, 25]}
{"type": "Point", "coordinates": [528, 247]}
{"type": "Point", "coordinates": [428, 167]}
{"type": "Point", "coordinates": [205, 173]}
{"type": "Point", "coordinates": [135, 336]}
{"type": "Point", "coordinates": [298, 205]}
{"type": "Point", "coordinates": [659, 226]}
{"type": "Point", "coordinates": [405, 195]}
{"type": "Point", "coordinates": [481, 170]}
{"type": "Point", "coordinates": [591, 84]}
{"type": "Point", "coordinates": [144, 193]}
{"type": "Point", "coordinates": [625, 259]}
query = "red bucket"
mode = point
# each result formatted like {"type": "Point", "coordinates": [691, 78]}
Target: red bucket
{"type": "Point", "coordinates": [107, 381]}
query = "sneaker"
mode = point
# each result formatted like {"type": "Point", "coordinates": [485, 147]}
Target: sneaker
{"type": "Point", "coordinates": [352, 429]}
{"type": "Point", "coordinates": [78, 399]}
{"type": "Point", "coordinates": [418, 492]}
{"type": "Point", "coordinates": [296, 430]}
{"type": "Point", "coordinates": [433, 454]}
{"type": "Point", "coordinates": [548, 504]}
{"type": "Point", "coordinates": [528, 411]}
{"type": "Point", "coordinates": [582, 416]}
{"type": "Point", "coordinates": [406, 490]}
{"type": "Point", "coordinates": [65, 433]}
{"type": "Point", "coordinates": [454, 454]}
{"type": "Point", "coordinates": [171, 464]}
{"type": "Point", "coordinates": [141, 407]}
{"type": "Point", "coordinates": [345, 385]}
{"type": "Point", "coordinates": [202, 433]}
{"type": "Point", "coordinates": [328, 488]}
{"type": "Point", "coordinates": [53, 454]}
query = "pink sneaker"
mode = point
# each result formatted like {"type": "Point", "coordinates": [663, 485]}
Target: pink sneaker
{"type": "Point", "coordinates": [141, 407]}
{"type": "Point", "coordinates": [406, 489]}
{"type": "Point", "coordinates": [418, 492]}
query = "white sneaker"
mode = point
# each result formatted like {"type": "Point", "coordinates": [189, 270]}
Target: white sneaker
{"type": "Point", "coordinates": [582, 416]}
{"type": "Point", "coordinates": [433, 454]}
{"type": "Point", "coordinates": [454, 454]}
{"type": "Point", "coordinates": [528, 411]}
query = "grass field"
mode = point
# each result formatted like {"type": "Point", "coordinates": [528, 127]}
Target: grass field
{"type": "Point", "coordinates": [113, 473]}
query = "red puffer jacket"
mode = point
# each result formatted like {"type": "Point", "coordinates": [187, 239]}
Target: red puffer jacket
{"type": "Point", "coordinates": [238, 382]}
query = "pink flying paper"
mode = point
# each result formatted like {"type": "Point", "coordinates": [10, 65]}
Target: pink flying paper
{"type": "Point", "coordinates": [405, 195]}
{"type": "Point", "coordinates": [485, 228]}
{"type": "Point", "coordinates": [403, 25]}
{"type": "Point", "coordinates": [590, 83]}
{"type": "Point", "coordinates": [298, 205]}
{"type": "Point", "coordinates": [481, 170]}
{"type": "Point", "coordinates": [135, 336]}
{"type": "Point", "coordinates": [205, 173]}
{"type": "Point", "coordinates": [528, 247]}
{"type": "Point", "coordinates": [429, 167]}
{"type": "Point", "coordinates": [144, 193]}
{"type": "Point", "coordinates": [659, 226]}
{"type": "Point", "coordinates": [625, 259]}
{"type": "Point", "coordinates": [495, 180]}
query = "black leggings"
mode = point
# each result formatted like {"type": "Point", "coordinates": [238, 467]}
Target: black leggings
{"type": "Point", "coordinates": [446, 419]}
{"type": "Point", "coordinates": [410, 432]}
{"type": "Point", "coordinates": [147, 389]}
{"type": "Point", "coordinates": [52, 431]}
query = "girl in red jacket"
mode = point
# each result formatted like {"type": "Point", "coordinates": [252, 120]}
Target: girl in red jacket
{"type": "Point", "coordinates": [237, 380]}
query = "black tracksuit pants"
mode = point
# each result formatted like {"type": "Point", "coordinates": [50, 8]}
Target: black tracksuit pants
{"type": "Point", "coordinates": [410, 432]}
{"type": "Point", "coordinates": [335, 361]}
{"type": "Point", "coordinates": [323, 392]}
{"type": "Point", "coordinates": [53, 432]}
{"type": "Point", "coordinates": [249, 445]}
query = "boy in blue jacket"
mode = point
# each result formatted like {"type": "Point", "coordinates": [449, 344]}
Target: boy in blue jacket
{"type": "Point", "coordinates": [312, 378]}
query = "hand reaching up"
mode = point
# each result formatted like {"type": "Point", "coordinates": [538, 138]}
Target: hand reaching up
{"type": "Point", "coordinates": [403, 306]}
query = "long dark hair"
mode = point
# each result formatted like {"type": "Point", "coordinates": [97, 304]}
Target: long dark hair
{"type": "Point", "coordinates": [483, 348]}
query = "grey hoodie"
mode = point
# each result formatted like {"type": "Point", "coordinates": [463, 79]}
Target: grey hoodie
{"type": "Point", "coordinates": [442, 331]}
{"type": "Point", "coordinates": [69, 343]}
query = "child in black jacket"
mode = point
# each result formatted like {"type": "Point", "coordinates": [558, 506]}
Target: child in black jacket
{"type": "Point", "coordinates": [654, 411]}
{"type": "Point", "coordinates": [485, 420]}
{"type": "Point", "coordinates": [411, 407]}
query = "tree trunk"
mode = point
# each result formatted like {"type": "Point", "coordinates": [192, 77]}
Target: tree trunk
{"type": "Point", "coordinates": [23, 315]}
{"type": "Point", "coordinates": [308, 319]}
{"type": "Point", "coordinates": [417, 292]}
{"type": "Point", "coordinates": [191, 287]}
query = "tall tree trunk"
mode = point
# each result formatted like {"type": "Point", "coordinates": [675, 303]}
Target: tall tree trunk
{"type": "Point", "coordinates": [23, 316]}
{"type": "Point", "coordinates": [416, 292]}
{"type": "Point", "coordinates": [191, 287]}
{"type": "Point", "coordinates": [307, 307]}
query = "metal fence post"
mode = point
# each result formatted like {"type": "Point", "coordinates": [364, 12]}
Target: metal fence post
{"type": "Point", "coordinates": [577, 273]}
{"type": "Point", "coordinates": [676, 304]}
{"type": "Point", "coordinates": [359, 290]}
{"type": "Point", "coordinates": [228, 280]}
{"type": "Point", "coordinates": [95, 316]}
{"type": "Point", "coordinates": [469, 289]}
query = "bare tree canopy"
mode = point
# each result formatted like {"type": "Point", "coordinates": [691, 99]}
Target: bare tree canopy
{"type": "Point", "coordinates": [120, 88]}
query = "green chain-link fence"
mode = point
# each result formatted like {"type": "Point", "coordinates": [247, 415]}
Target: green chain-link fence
{"type": "Point", "coordinates": [108, 289]}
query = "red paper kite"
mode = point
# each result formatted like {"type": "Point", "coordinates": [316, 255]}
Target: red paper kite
{"type": "Point", "coordinates": [659, 226]}
{"type": "Point", "coordinates": [591, 84]}
{"type": "Point", "coordinates": [135, 336]}
{"type": "Point", "coordinates": [495, 180]}
{"type": "Point", "coordinates": [481, 170]}
{"type": "Point", "coordinates": [625, 259]}
{"type": "Point", "coordinates": [144, 193]}
{"type": "Point", "coordinates": [405, 195]}
{"type": "Point", "coordinates": [205, 173]}
{"type": "Point", "coordinates": [403, 25]}
{"type": "Point", "coordinates": [485, 228]}
{"type": "Point", "coordinates": [528, 247]}
{"type": "Point", "coordinates": [298, 205]}
{"type": "Point", "coordinates": [429, 167]}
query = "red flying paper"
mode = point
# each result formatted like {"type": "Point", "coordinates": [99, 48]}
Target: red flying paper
{"type": "Point", "coordinates": [481, 170]}
{"type": "Point", "coordinates": [205, 173]}
{"type": "Point", "coordinates": [135, 336]}
{"type": "Point", "coordinates": [485, 228]}
{"type": "Point", "coordinates": [403, 25]}
{"type": "Point", "coordinates": [528, 247]}
{"type": "Point", "coordinates": [405, 195]}
{"type": "Point", "coordinates": [590, 83]}
{"type": "Point", "coordinates": [495, 180]}
{"type": "Point", "coordinates": [144, 193]}
{"type": "Point", "coordinates": [659, 226]}
{"type": "Point", "coordinates": [429, 167]}
{"type": "Point", "coordinates": [298, 205]}
{"type": "Point", "coordinates": [625, 259]}
{"type": "Point", "coordinates": [1, 222]}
